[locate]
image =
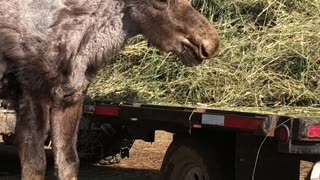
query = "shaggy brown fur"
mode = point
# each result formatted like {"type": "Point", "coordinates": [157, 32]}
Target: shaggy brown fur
{"type": "Point", "coordinates": [51, 49]}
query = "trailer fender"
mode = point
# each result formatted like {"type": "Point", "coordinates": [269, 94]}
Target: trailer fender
{"type": "Point", "coordinates": [315, 173]}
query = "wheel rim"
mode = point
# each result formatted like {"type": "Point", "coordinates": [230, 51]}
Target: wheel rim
{"type": "Point", "coordinates": [194, 173]}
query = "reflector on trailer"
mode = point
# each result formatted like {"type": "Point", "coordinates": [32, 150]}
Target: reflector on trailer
{"type": "Point", "coordinates": [243, 123]}
{"type": "Point", "coordinates": [197, 126]}
{"type": "Point", "coordinates": [247, 123]}
{"type": "Point", "coordinates": [283, 133]}
{"type": "Point", "coordinates": [313, 131]}
{"type": "Point", "coordinates": [106, 111]}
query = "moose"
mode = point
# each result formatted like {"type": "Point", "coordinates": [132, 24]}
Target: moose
{"type": "Point", "coordinates": [50, 50]}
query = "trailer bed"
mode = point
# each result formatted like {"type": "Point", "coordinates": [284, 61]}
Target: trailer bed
{"type": "Point", "coordinates": [295, 134]}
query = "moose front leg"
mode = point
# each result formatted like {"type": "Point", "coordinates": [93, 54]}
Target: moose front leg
{"type": "Point", "coordinates": [64, 126]}
{"type": "Point", "coordinates": [31, 130]}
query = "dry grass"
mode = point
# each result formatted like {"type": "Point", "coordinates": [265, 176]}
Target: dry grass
{"type": "Point", "coordinates": [270, 56]}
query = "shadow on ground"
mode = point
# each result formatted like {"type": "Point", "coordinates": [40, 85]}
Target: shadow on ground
{"type": "Point", "coordinates": [10, 167]}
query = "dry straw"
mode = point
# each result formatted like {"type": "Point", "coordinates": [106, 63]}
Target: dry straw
{"type": "Point", "coordinates": [270, 57]}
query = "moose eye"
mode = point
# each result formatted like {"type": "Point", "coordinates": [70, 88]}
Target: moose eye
{"type": "Point", "coordinates": [163, 1]}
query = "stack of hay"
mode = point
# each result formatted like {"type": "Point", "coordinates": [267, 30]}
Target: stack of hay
{"type": "Point", "coordinates": [270, 57]}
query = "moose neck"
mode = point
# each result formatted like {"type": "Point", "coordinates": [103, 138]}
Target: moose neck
{"type": "Point", "coordinates": [101, 33]}
{"type": "Point", "coordinates": [106, 33]}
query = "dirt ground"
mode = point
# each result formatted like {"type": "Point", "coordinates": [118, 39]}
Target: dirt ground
{"type": "Point", "coordinates": [144, 163]}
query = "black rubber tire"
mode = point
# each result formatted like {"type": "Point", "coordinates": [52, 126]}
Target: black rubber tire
{"type": "Point", "coordinates": [189, 159]}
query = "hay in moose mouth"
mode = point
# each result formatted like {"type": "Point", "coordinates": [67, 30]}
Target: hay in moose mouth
{"type": "Point", "coordinates": [270, 57]}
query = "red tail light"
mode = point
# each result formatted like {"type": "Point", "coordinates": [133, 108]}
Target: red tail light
{"type": "Point", "coordinates": [313, 131]}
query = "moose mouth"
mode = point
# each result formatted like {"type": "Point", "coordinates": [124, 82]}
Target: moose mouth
{"type": "Point", "coordinates": [189, 57]}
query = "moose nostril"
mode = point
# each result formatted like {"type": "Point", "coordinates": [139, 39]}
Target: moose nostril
{"type": "Point", "coordinates": [209, 48]}
{"type": "Point", "coordinates": [203, 51]}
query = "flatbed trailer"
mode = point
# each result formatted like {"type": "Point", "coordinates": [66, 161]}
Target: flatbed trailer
{"type": "Point", "coordinates": [207, 143]}
{"type": "Point", "coordinates": [215, 144]}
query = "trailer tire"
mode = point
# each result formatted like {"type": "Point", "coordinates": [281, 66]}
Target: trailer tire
{"type": "Point", "coordinates": [189, 159]}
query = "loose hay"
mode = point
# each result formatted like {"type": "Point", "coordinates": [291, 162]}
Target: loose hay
{"type": "Point", "coordinates": [270, 56]}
